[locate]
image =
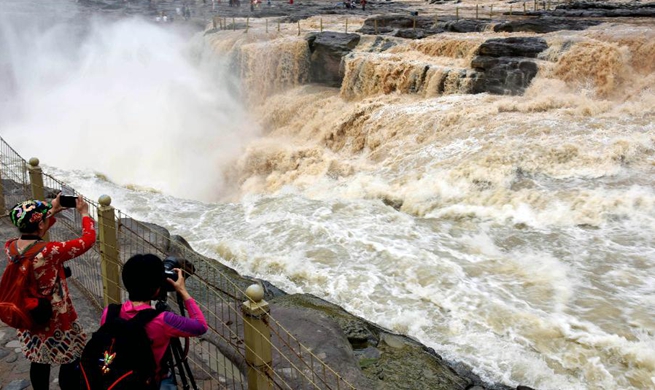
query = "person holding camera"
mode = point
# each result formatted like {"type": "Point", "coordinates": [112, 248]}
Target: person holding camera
{"type": "Point", "coordinates": [144, 279]}
{"type": "Point", "coordinates": [55, 336]}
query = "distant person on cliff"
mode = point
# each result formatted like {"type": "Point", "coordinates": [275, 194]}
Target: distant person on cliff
{"type": "Point", "coordinates": [59, 338]}
{"type": "Point", "coordinates": [363, 3]}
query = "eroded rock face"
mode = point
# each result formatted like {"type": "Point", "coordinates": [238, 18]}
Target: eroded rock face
{"type": "Point", "coordinates": [607, 10]}
{"type": "Point", "coordinates": [544, 25]}
{"type": "Point", "coordinates": [528, 47]}
{"type": "Point", "coordinates": [507, 64]}
{"type": "Point", "coordinates": [327, 50]}
{"type": "Point", "coordinates": [387, 360]}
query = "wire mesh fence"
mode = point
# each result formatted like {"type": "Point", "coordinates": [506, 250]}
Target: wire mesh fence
{"type": "Point", "coordinates": [223, 357]}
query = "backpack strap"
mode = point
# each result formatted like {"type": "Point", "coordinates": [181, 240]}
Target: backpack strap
{"type": "Point", "coordinates": [113, 311]}
{"type": "Point", "coordinates": [143, 317]}
{"type": "Point", "coordinates": [28, 252]}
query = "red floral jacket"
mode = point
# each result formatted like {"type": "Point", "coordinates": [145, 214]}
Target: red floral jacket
{"type": "Point", "coordinates": [50, 277]}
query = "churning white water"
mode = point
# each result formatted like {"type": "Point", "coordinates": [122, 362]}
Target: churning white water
{"type": "Point", "coordinates": [514, 234]}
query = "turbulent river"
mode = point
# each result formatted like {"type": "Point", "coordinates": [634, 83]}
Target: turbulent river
{"type": "Point", "coordinates": [514, 234]}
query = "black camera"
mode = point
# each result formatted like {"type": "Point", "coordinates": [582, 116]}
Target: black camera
{"type": "Point", "coordinates": [170, 263]}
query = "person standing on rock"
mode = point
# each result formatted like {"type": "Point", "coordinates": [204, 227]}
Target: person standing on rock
{"type": "Point", "coordinates": [363, 3]}
{"type": "Point", "coordinates": [61, 339]}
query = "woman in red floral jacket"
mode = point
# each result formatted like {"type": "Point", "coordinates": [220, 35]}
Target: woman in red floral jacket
{"type": "Point", "coordinates": [62, 339]}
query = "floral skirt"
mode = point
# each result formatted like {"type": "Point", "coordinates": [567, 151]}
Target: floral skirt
{"type": "Point", "coordinates": [62, 347]}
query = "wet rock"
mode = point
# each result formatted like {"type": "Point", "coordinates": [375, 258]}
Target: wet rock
{"type": "Point", "coordinates": [464, 26]}
{"type": "Point", "coordinates": [528, 47]}
{"type": "Point", "coordinates": [503, 76]}
{"type": "Point", "coordinates": [389, 360]}
{"type": "Point", "coordinates": [395, 203]}
{"type": "Point", "coordinates": [544, 25]}
{"type": "Point", "coordinates": [12, 358]}
{"type": "Point", "coordinates": [322, 335]}
{"type": "Point", "coordinates": [327, 52]}
{"type": "Point", "coordinates": [367, 353]}
{"type": "Point", "coordinates": [506, 64]}
{"type": "Point", "coordinates": [13, 344]}
{"type": "Point", "coordinates": [603, 9]}
{"type": "Point", "coordinates": [392, 21]}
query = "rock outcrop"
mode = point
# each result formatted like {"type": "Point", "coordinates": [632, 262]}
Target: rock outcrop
{"type": "Point", "coordinates": [507, 64]}
{"type": "Point", "coordinates": [327, 52]}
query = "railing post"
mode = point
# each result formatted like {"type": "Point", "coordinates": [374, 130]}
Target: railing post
{"type": "Point", "coordinates": [3, 206]}
{"type": "Point", "coordinates": [108, 251]}
{"type": "Point", "coordinates": [36, 179]}
{"type": "Point", "coordinates": [36, 184]}
{"type": "Point", "coordinates": [257, 335]}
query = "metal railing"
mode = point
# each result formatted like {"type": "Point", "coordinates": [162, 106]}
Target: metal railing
{"type": "Point", "coordinates": [245, 347]}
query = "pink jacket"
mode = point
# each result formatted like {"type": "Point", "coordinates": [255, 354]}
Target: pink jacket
{"type": "Point", "coordinates": [166, 325]}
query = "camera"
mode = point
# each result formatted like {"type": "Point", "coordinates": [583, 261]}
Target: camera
{"type": "Point", "coordinates": [170, 263]}
{"type": "Point", "coordinates": [68, 201]}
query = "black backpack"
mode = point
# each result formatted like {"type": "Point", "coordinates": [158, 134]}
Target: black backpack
{"type": "Point", "coordinates": [119, 355]}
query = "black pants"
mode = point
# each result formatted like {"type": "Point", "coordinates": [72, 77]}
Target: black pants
{"type": "Point", "coordinates": [69, 376]}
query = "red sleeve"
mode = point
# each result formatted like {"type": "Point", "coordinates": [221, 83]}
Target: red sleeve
{"type": "Point", "coordinates": [66, 250]}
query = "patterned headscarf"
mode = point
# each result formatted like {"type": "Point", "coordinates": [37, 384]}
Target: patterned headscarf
{"type": "Point", "coordinates": [27, 215]}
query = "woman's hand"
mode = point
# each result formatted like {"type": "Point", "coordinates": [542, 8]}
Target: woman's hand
{"type": "Point", "coordinates": [56, 206]}
{"type": "Point", "coordinates": [179, 284]}
{"type": "Point", "coordinates": [81, 206]}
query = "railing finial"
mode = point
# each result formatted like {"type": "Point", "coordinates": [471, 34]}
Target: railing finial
{"type": "Point", "coordinates": [34, 162]}
{"type": "Point", "coordinates": [255, 292]}
{"type": "Point", "coordinates": [104, 200]}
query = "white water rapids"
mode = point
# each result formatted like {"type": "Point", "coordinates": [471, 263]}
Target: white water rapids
{"type": "Point", "coordinates": [522, 239]}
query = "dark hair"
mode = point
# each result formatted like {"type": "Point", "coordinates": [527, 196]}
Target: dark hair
{"type": "Point", "coordinates": [28, 230]}
{"type": "Point", "coordinates": [143, 275]}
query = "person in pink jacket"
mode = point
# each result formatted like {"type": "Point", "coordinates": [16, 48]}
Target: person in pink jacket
{"type": "Point", "coordinates": [143, 278]}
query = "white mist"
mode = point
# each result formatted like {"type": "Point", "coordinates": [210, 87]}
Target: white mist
{"type": "Point", "coordinates": [124, 98]}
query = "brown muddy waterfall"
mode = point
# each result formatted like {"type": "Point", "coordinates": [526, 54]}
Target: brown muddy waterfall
{"type": "Point", "coordinates": [513, 233]}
